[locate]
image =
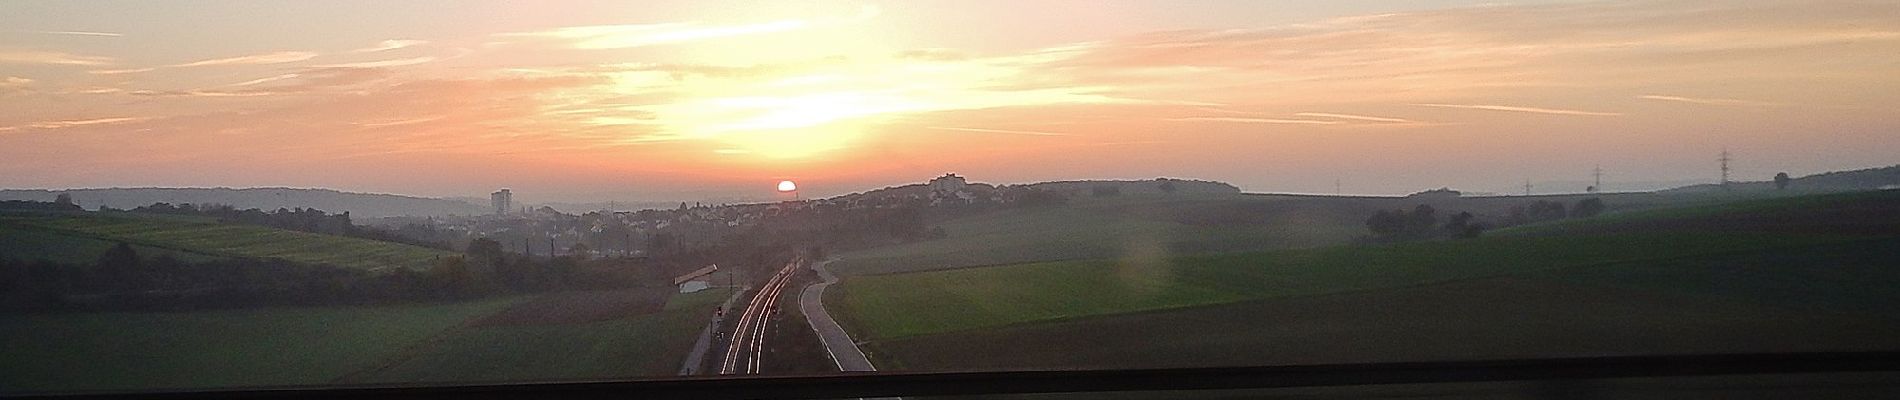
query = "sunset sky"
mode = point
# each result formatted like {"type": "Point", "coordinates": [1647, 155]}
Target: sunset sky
{"type": "Point", "coordinates": [583, 101]}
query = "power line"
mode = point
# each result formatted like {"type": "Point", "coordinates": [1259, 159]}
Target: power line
{"type": "Point", "coordinates": [1598, 187]}
{"type": "Point", "coordinates": [1725, 159]}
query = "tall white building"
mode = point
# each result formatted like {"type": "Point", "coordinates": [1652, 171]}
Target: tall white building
{"type": "Point", "coordinates": [502, 200]}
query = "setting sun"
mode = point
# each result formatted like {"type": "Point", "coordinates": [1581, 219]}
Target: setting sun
{"type": "Point", "coordinates": [787, 186]}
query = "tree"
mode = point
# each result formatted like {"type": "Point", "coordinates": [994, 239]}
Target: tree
{"type": "Point", "coordinates": [120, 267]}
{"type": "Point", "coordinates": [1386, 223]}
{"type": "Point", "coordinates": [1461, 226]}
{"type": "Point", "coordinates": [1421, 220]}
{"type": "Point", "coordinates": [1587, 208]}
{"type": "Point", "coordinates": [660, 242]}
{"type": "Point", "coordinates": [579, 251]}
{"type": "Point", "coordinates": [485, 249]}
{"type": "Point", "coordinates": [66, 199]}
{"type": "Point", "coordinates": [1782, 180]}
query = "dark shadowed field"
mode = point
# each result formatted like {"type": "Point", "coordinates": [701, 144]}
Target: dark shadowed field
{"type": "Point", "coordinates": [582, 307]}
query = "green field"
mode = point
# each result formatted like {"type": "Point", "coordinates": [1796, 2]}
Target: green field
{"type": "Point", "coordinates": [32, 243]}
{"type": "Point", "coordinates": [644, 345]}
{"type": "Point", "coordinates": [1760, 259]}
{"type": "Point", "coordinates": [1127, 226]}
{"type": "Point", "coordinates": [67, 352]}
{"type": "Point", "coordinates": [81, 237]}
{"type": "Point", "coordinates": [898, 305]}
{"type": "Point", "coordinates": [228, 348]}
{"type": "Point", "coordinates": [1177, 225]}
{"type": "Point", "coordinates": [1497, 318]}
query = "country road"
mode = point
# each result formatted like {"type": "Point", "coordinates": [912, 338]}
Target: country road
{"type": "Point", "coordinates": [844, 352]}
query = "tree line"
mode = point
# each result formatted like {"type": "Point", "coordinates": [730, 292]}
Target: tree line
{"type": "Point", "coordinates": [123, 279]}
{"type": "Point", "coordinates": [297, 219]}
{"type": "Point", "coordinates": [1421, 222]}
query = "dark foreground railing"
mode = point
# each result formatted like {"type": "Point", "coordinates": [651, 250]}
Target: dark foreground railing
{"type": "Point", "coordinates": [1022, 382]}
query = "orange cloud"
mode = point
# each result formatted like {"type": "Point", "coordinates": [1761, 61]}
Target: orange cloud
{"type": "Point", "coordinates": [392, 44]}
{"type": "Point", "coordinates": [51, 57]}
{"type": "Point", "coordinates": [1536, 110]}
{"type": "Point", "coordinates": [254, 59]}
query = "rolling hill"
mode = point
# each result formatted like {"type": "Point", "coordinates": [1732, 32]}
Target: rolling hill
{"type": "Point", "coordinates": [81, 237]}
{"type": "Point", "coordinates": [1764, 275]}
{"type": "Point", "coordinates": [361, 205]}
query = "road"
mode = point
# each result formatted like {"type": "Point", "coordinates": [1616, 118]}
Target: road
{"type": "Point", "coordinates": [747, 345]}
{"type": "Point", "coordinates": [844, 352]}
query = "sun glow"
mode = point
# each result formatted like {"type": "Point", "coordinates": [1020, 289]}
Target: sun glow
{"type": "Point", "coordinates": [787, 186]}
{"type": "Point", "coordinates": [802, 111]}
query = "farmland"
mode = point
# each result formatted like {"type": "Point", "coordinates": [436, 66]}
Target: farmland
{"type": "Point", "coordinates": [1680, 267]}
{"type": "Point", "coordinates": [226, 348]}
{"type": "Point", "coordinates": [44, 244]}
{"type": "Point", "coordinates": [1102, 228]}
{"type": "Point", "coordinates": [468, 341]}
{"type": "Point", "coordinates": [886, 306]}
{"type": "Point", "coordinates": [649, 343]}
{"type": "Point", "coordinates": [1481, 319]}
{"type": "Point", "coordinates": [81, 237]}
{"type": "Point", "coordinates": [1173, 225]}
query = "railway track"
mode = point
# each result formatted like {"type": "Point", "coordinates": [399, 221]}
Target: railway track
{"type": "Point", "coordinates": [747, 345]}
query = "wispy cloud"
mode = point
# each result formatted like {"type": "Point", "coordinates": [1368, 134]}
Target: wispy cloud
{"type": "Point", "coordinates": [119, 71]}
{"type": "Point", "coordinates": [78, 33]}
{"type": "Point", "coordinates": [51, 57]}
{"type": "Point", "coordinates": [380, 64]}
{"type": "Point", "coordinates": [58, 124]}
{"type": "Point", "coordinates": [1537, 110]}
{"type": "Point", "coordinates": [266, 80]}
{"type": "Point", "coordinates": [1257, 120]}
{"type": "Point", "coordinates": [1006, 131]}
{"type": "Point", "coordinates": [1353, 117]}
{"type": "Point", "coordinates": [199, 93]}
{"type": "Point", "coordinates": [255, 59]}
{"type": "Point", "coordinates": [641, 35]}
{"type": "Point", "coordinates": [14, 84]}
{"type": "Point", "coordinates": [399, 122]}
{"type": "Point", "coordinates": [1709, 101]}
{"type": "Point", "coordinates": [392, 44]}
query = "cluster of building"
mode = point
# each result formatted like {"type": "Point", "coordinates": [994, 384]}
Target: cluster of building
{"type": "Point", "coordinates": [544, 231]}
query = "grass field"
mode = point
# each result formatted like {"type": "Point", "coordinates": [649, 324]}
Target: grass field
{"type": "Point", "coordinates": [633, 346]}
{"type": "Point", "coordinates": [1762, 261]}
{"type": "Point", "coordinates": [230, 348]}
{"type": "Point", "coordinates": [32, 243]}
{"type": "Point", "coordinates": [81, 237]}
{"type": "Point", "coordinates": [326, 345]}
{"type": "Point", "coordinates": [1175, 225]}
{"type": "Point", "coordinates": [1104, 228]}
{"type": "Point", "coordinates": [898, 305]}
{"type": "Point", "coordinates": [1481, 319]}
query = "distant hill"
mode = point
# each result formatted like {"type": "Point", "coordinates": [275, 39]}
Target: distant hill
{"type": "Point", "coordinates": [1837, 181]}
{"type": "Point", "coordinates": [1070, 188]}
{"type": "Point", "coordinates": [80, 237]}
{"type": "Point", "coordinates": [1137, 187]}
{"type": "Point", "coordinates": [360, 205]}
